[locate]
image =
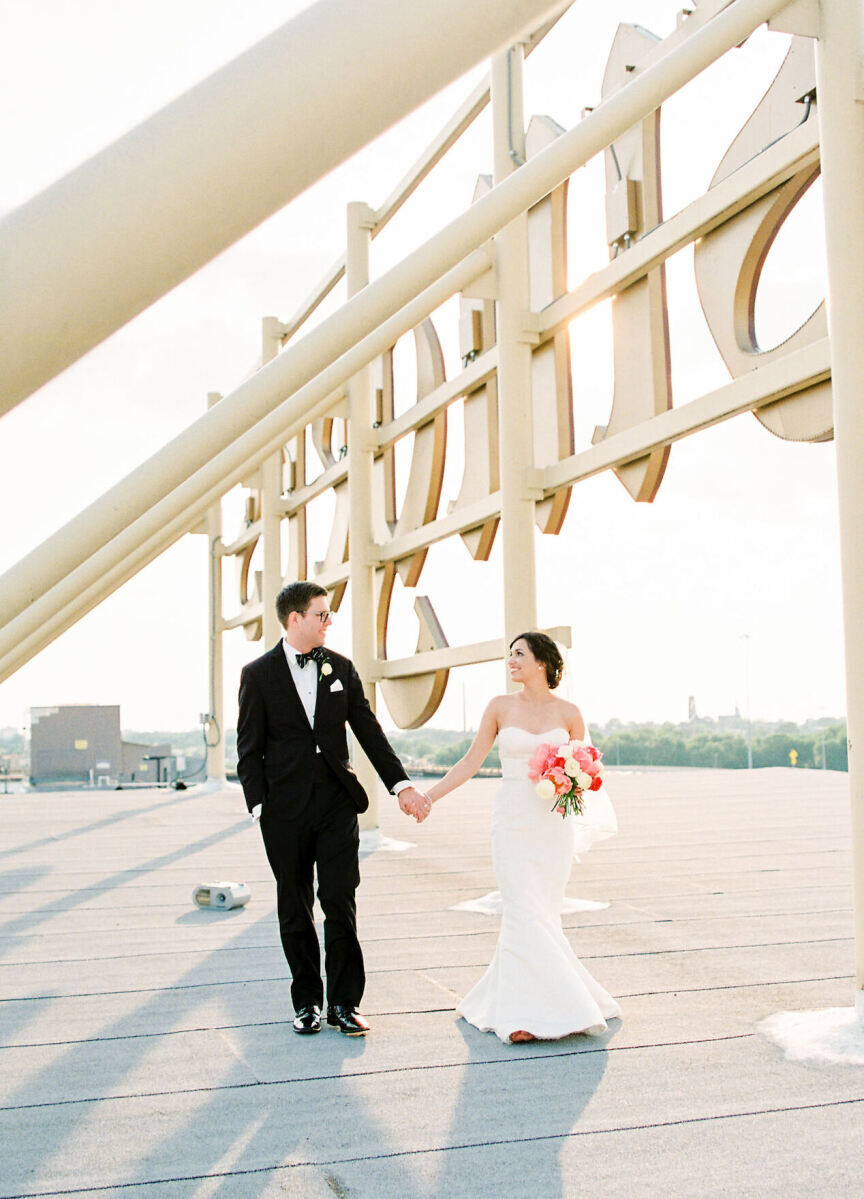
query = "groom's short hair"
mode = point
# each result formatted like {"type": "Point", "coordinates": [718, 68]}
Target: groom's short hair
{"type": "Point", "coordinates": [296, 597]}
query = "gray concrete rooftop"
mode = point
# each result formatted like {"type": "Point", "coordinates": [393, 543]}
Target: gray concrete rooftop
{"type": "Point", "coordinates": [147, 1047]}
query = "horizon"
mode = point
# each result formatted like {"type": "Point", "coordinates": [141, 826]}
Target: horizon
{"type": "Point", "coordinates": [393, 730]}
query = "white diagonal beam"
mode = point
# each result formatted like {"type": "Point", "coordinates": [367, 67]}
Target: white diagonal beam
{"type": "Point", "coordinates": [795, 152]}
{"type": "Point", "coordinates": [776, 380]}
{"type": "Point", "coordinates": [107, 240]}
{"type": "Point", "coordinates": [445, 139]}
{"type": "Point", "coordinates": [141, 540]}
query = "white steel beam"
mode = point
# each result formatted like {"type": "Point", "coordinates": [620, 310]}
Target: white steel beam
{"type": "Point", "coordinates": [782, 377]}
{"type": "Point", "coordinates": [425, 410]}
{"type": "Point", "coordinates": [249, 535]}
{"type": "Point", "coordinates": [250, 615]}
{"type": "Point", "coordinates": [301, 496]}
{"type": "Point", "coordinates": [461, 120]}
{"type": "Point", "coordinates": [452, 656]}
{"type": "Point", "coordinates": [93, 577]}
{"type": "Point", "coordinates": [232, 438]}
{"type": "Point", "coordinates": [107, 240]}
{"type": "Point", "coordinates": [798, 150]}
{"type": "Point", "coordinates": [458, 521]}
{"type": "Point", "coordinates": [445, 139]}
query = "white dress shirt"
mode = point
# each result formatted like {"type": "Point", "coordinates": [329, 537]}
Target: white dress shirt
{"type": "Point", "coordinates": [305, 680]}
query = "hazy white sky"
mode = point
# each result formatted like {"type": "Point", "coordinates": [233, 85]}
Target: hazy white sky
{"type": "Point", "coordinates": [742, 538]}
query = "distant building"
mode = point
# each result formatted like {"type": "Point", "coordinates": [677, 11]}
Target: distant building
{"type": "Point", "coordinates": [82, 743]}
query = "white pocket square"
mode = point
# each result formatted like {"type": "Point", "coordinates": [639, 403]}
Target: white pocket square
{"type": "Point", "coordinates": [337, 686]}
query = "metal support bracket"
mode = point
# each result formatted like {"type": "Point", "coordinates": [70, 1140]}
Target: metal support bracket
{"type": "Point", "coordinates": [801, 17]}
{"type": "Point", "coordinates": [534, 483]}
{"type": "Point", "coordinates": [531, 325]}
{"type": "Point", "coordinates": [272, 336]}
{"type": "Point", "coordinates": [368, 218]}
{"type": "Point", "coordinates": [485, 286]}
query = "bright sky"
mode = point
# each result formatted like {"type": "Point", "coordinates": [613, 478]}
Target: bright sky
{"type": "Point", "coordinates": [742, 538]}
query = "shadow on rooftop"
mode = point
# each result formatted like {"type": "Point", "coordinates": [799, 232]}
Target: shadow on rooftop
{"type": "Point", "coordinates": [28, 921]}
{"type": "Point", "coordinates": [498, 1104]}
{"type": "Point", "coordinates": [85, 829]}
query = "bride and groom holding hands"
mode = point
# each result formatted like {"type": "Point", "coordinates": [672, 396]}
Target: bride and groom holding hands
{"type": "Point", "coordinates": [295, 703]}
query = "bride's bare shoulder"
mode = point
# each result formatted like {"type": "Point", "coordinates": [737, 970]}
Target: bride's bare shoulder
{"type": "Point", "coordinates": [574, 718]}
{"type": "Point", "coordinates": [495, 708]}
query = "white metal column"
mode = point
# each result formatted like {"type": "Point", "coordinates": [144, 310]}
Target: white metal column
{"type": "Point", "coordinates": [516, 435]}
{"type": "Point", "coordinates": [840, 93]}
{"type": "Point", "coordinates": [214, 727]}
{"type": "Point", "coordinates": [360, 222]}
{"type": "Point", "coordinates": [271, 518]}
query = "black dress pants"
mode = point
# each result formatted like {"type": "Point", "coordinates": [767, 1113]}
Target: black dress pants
{"type": "Point", "coordinates": [323, 837]}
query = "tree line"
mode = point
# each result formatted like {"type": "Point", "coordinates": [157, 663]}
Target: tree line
{"type": "Point", "coordinates": [697, 743]}
{"type": "Point", "coordinates": [653, 745]}
{"type": "Point", "coordinates": [702, 742]}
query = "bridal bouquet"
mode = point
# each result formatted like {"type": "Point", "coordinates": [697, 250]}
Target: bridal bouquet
{"type": "Point", "coordinates": [564, 773]}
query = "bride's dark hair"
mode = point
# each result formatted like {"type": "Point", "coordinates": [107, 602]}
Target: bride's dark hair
{"type": "Point", "coordinates": [546, 651]}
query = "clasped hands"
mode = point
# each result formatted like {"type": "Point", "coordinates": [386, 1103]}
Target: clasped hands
{"type": "Point", "coordinates": [414, 803]}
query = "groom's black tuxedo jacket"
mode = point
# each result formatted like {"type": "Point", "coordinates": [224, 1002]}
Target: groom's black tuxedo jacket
{"type": "Point", "coordinates": [276, 747]}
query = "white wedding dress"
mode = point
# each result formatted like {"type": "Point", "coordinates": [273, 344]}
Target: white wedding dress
{"type": "Point", "coordinates": [535, 981]}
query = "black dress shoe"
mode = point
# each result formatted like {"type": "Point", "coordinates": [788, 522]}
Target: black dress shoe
{"type": "Point", "coordinates": [308, 1020]}
{"type": "Point", "coordinates": [347, 1020]}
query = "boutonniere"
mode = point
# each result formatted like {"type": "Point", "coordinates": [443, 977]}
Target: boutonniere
{"type": "Point", "coordinates": [326, 669]}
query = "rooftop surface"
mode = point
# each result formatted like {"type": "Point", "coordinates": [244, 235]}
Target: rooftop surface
{"type": "Point", "coordinates": [147, 1047]}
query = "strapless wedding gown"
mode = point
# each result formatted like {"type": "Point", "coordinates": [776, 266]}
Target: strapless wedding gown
{"type": "Point", "coordinates": [535, 981]}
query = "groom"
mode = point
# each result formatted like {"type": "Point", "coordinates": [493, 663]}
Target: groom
{"type": "Point", "coordinates": [292, 759]}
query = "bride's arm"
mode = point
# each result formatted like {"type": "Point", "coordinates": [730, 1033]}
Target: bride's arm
{"type": "Point", "coordinates": [468, 765]}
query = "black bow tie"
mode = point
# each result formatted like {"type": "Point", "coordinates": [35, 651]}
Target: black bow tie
{"type": "Point", "coordinates": [314, 655]}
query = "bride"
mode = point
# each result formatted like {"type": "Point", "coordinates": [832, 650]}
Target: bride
{"type": "Point", "coordinates": [535, 986]}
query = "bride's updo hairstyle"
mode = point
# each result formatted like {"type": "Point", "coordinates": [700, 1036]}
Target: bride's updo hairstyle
{"type": "Point", "coordinates": [546, 651]}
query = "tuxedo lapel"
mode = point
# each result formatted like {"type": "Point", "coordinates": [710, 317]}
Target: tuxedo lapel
{"type": "Point", "coordinates": [323, 688]}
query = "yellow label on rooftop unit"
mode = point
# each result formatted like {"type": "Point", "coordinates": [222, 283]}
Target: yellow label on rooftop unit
{"type": "Point", "coordinates": [80, 744]}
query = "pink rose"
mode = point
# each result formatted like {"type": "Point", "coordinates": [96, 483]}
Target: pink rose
{"type": "Point", "coordinates": [589, 761]}
{"type": "Point", "coordinates": [537, 765]}
{"type": "Point", "coordinates": [543, 759]}
{"type": "Point", "coordinates": [560, 779]}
